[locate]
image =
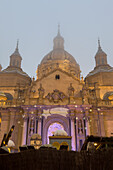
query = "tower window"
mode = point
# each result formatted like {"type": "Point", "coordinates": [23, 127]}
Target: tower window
{"type": "Point", "coordinates": [102, 60]}
{"type": "Point", "coordinates": [17, 63]}
{"type": "Point", "coordinates": [57, 77]}
{"type": "Point", "coordinates": [13, 62]}
{"type": "Point", "coordinates": [98, 61]}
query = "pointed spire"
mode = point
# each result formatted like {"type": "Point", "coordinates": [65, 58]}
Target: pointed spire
{"type": "Point", "coordinates": [58, 40]}
{"type": "Point", "coordinates": [99, 47]}
{"type": "Point", "coordinates": [58, 30]}
{"type": "Point", "coordinates": [17, 45]}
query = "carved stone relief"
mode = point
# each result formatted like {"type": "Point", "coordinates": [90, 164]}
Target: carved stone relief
{"type": "Point", "coordinates": [56, 96]}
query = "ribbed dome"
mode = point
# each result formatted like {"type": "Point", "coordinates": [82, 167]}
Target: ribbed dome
{"type": "Point", "coordinates": [58, 54]}
{"type": "Point", "coordinates": [60, 133]}
{"type": "Point", "coordinates": [58, 58]}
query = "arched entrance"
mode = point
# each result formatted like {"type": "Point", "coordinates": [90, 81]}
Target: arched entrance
{"type": "Point", "coordinates": [52, 128]}
{"type": "Point", "coordinates": [61, 122]}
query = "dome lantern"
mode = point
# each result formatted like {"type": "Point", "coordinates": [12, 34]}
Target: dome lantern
{"type": "Point", "coordinates": [58, 40]}
{"type": "Point", "coordinates": [15, 58]}
{"type": "Point", "coordinates": [101, 56]}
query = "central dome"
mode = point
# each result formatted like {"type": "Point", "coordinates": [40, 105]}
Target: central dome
{"type": "Point", "coordinates": [58, 52]}
{"type": "Point", "coordinates": [58, 58]}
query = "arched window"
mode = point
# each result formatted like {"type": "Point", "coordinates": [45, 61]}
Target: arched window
{"type": "Point", "coordinates": [98, 61]}
{"type": "Point", "coordinates": [17, 63]}
{"type": "Point", "coordinates": [52, 128]}
{"type": "Point", "coordinates": [57, 77]}
{"type": "Point", "coordinates": [13, 62]}
{"type": "Point", "coordinates": [102, 60]}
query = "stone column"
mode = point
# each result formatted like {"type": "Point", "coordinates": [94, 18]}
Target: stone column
{"type": "Point", "coordinates": [12, 118]}
{"type": "Point", "coordinates": [24, 133]}
{"type": "Point", "coordinates": [73, 134]}
{"type": "Point", "coordinates": [39, 127]}
{"type": "Point", "coordinates": [102, 129]}
{"type": "Point", "coordinates": [88, 128]}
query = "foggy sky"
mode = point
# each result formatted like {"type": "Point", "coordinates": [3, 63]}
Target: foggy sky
{"type": "Point", "coordinates": [35, 24]}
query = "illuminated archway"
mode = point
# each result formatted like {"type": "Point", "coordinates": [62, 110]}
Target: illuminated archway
{"type": "Point", "coordinates": [3, 98]}
{"type": "Point", "coordinates": [52, 128]}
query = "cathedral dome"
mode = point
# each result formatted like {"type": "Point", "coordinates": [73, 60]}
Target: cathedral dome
{"type": "Point", "coordinates": [58, 52]}
{"type": "Point", "coordinates": [58, 58]}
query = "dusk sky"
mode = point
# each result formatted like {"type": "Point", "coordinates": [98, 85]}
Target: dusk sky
{"type": "Point", "coordinates": [35, 24]}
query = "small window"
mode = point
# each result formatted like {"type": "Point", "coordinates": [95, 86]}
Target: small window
{"type": "Point", "coordinates": [13, 62]}
{"type": "Point", "coordinates": [57, 77]}
{"type": "Point", "coordinates": [17, 63]}
{"type": "Point", "coordinates": [102, 60]}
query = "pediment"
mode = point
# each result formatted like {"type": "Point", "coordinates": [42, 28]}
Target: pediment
{"type": "Point", "coordinates": [58, 70]}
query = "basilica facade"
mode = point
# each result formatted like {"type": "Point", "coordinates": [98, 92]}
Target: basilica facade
{"type": "Point", "coordinates": [59, 98]}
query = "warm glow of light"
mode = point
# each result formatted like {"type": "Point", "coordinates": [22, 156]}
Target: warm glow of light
{"type": "Point", "coordinates": [2, 98]}
{"type": "Point", "coordinates": [9, 150]}
{"type": "Point", "coordinates": [110, 97]}
{"type": "Point", "coordinates": [95, 144]}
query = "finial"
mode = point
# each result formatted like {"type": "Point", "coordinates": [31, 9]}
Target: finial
{"type": "Point", "coordinates": [58, 29]}
{"type": "Point", "coordinates": [17, 45]}
{"type": "Point", "coordinates": [99, 47]}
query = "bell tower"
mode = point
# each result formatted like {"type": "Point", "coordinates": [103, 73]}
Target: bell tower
{"type": "Point", "coordinates": [15, 58]}
{"type": "Point", "coordinates": [101, 56]}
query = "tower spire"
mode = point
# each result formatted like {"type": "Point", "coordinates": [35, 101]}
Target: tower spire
{"type": "Point", "coordinates": [99, 47]}
{"type": "Point", "coordinates": [58, 29]}
{"type": "Point", "coordinates": [17, 44]}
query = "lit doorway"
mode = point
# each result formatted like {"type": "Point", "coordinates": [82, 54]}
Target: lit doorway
{"type": "Point", "coordinates": [52, 128]}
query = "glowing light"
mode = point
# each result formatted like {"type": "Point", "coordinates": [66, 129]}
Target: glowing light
{"type": "Point", "coordinates": [52, 128]}
{"type": "Point", "coordinates": [98, 109]}
{"type": "Point", "coordinates": [95, 144]}
{"type": "Point", "coordinates": [23, 116]}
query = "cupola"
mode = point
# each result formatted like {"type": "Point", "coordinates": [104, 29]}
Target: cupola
{"type": "Point", "coordinates": [58, 40]}
{"type": "Point", "coordinates": [101, 56]}
{"type": "Point", "coordinates": [15, 58]}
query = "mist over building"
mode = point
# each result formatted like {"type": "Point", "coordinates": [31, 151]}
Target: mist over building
{"type": "Point", "coordinates": [59, 99]}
